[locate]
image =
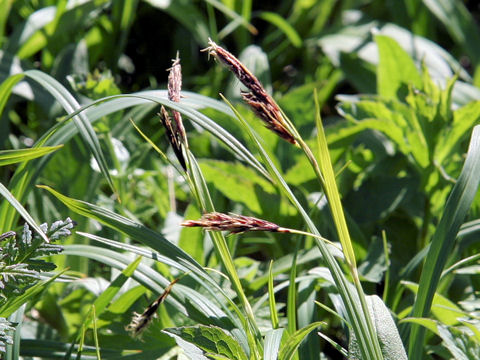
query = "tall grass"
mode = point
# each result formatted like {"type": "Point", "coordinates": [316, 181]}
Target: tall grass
{"type": "Point", "coordinates": [377, 206]}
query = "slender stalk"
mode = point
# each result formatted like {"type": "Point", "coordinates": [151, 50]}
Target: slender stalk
{"type": "Point", "coordinates": [322, 171]}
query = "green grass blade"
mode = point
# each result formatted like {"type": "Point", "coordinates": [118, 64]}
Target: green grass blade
{"type": "Point", "coordinates": [6, 89]}
{"type": "Point", "coordinates": [202, 194]}
{"type": "Point", "coordinates": [188, 108]}
{"type": "Point", "coordinates": [8, 157]}
{"type": "Point", "coordinates": [198, 306]}
{"type": "Point", "coordinates": [460, 24]}
{"type": "Point", "coordinates": [210, 286]}
{"type": "Point", "coordinates": [331, 190]}
{"type": "Point", "coordinates": [154, 240]}
{"type": "Point", "coordinates": [107, 296]}
{"type": "Point", "coordinates": [5, 7]}
{"type": "Point", "coordinates": [292, 300]}
{"type": "Point", "coordinates": [22, 211]}
{"type": "Point", "coordinates": [271, 298]}
{"type": "Point", "coordinates": [369, 345]}
{"type": "Point", "coordinates": [134, 230]}
{"type": "Point", "coordinates": [291, 345]}
{"type": "Point", "coordinates": [456, 208]}
{"type": "Point", "coordinates": [14, 302]}
{"type": "Point", "coordinates": [282, 25]}
{"type": "Point", "coordinates": [68, 102]}
{"type": "Point", "coordinates": [232, 14]}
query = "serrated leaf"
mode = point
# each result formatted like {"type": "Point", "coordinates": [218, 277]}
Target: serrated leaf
{"type": "Point", "coordinates": [14, 302]}
{"type": "Point", "coordinates": [211, 339]}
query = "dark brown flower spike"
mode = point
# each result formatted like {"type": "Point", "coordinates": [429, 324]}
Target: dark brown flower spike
{"type": "Point", "coordinates": [233, 223]}
{"type": "Point", "coordinates": [174, 130]}
{"type": "Point", "coordinates": [141, 321]}
{"type": "Point", "coordinates": [257, 98]}
{"type": "Point", "coordinates": [172, 135]}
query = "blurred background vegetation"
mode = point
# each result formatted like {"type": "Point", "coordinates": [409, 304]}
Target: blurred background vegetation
{"type": "Point", "coordinates": [102, 48]}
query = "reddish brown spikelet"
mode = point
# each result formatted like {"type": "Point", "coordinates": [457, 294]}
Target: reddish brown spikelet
{"type": "Point", "coordinates": [233, 223]}
{"type": "Point", "coordinates": [258, 99]}
{"type": "Point", "coordinates": [174, 130]}
{"type": "Point", "coordinates": [174, 89]}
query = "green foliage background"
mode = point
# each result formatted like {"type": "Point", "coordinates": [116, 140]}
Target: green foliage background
{"type": "Point", "coordinates": [397, 84]}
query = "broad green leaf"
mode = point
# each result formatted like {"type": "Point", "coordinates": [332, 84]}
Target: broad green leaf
{"type": "Point", "coordinates": [456, 208]}
{"type": "Point", "coordinates": [211, 339]}
{"type": "Point", "coordinates": [360, 73]}
{"type": "Point", "coordinates": [192, 240]}
{"type": "Point", "coordinates": [446, 311]}
{"type": "Point", "coordinates": [388, 336]}
{"type": "Point", "coordinates": [396, 70]}
{"type": "Point", "coordinates": [463, 120]}
{"type": "Point", "coordinates": [237, 182]}
{"type": "Point", "coordinates": [15, 156]}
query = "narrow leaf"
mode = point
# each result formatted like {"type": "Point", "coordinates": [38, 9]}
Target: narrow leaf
{"type": "Point", "coordinates": [456, 209]}
{"type": "Point", "coordinates": [22, 211]}
{"type": "Point", "coordinates": [8, 157]}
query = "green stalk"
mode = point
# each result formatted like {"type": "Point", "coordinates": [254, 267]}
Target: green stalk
{"type": "Point", "coordinates": [358, 316]}
{"type": "Point", "coordinates": [326, 176]}
{"type": "Point", "coordinates": [201, 193]}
